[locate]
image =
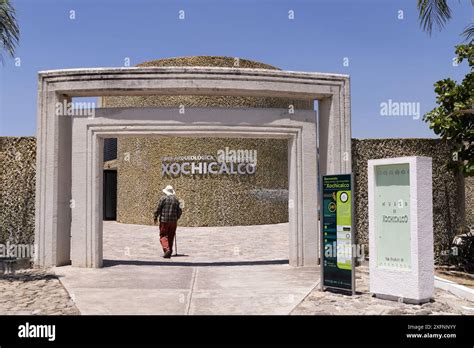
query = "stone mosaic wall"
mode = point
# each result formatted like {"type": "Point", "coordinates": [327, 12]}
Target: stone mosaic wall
{"type": "Point", "coordinates": [17, 192]}
{"type": "Point", "coordinates": [209, 199]}
{"type": "Point", "coordinates": [447, 186]}
{"type": "Point", "coordinates": [470, 201]}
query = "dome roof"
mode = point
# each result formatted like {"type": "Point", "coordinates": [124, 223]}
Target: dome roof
{"type": "Point", "coordinates": [211, 61]}
{"type": "Point", "coordinates": [206, 101]}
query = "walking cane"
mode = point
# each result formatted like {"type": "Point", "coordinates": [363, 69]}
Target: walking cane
{"type": "Point", "coordinates": [175, 245]}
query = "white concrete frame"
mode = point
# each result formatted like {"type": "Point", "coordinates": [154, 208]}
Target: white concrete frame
{"type": "Point", "coordinates": [69, 150]}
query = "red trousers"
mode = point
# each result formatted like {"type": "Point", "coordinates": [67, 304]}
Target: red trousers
{"type": "Point", "coordinates": [167, 232]}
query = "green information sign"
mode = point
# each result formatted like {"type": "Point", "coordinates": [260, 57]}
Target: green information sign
{"type": "Point", "coordinates": [337, 233]}
{"type": "Point", "coordinates": [392, 216]}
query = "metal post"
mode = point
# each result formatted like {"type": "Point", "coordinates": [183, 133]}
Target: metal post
{"type": "Point", "coordinates": [321, 232]}
{"type": "Point", "coordinates": [176, 244]}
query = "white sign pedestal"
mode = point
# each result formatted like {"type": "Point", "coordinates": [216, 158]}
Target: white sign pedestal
{"type": "Point", "coordinates": [401, 229]}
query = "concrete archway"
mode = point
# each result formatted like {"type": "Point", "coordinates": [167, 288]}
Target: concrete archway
{"type": "Point", "coordinates": [68, 195]}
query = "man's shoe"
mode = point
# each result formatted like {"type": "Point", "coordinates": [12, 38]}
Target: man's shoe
{"type": "Point", "coordinates": [167, 255]}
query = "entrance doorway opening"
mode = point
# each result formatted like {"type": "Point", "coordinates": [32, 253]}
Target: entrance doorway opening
{"type": "Point", "coordinates": [233, 191]}
{"type": "Point", "coordinates": [110, 194]}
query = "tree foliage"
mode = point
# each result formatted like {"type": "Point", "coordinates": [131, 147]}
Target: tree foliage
{"type": "Point", "coordinates": [9, 31]}
{"type": "Point", "coordinates": [436, 13]}
{"type": "Point", "coordinates": [453, 119]}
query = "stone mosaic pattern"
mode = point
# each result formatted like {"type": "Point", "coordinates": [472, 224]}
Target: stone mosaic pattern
{"type": "Point", "coordinates": [204, 101]}
{"type": "Point", "coordinates": [17, 190]}
{"type": "Point", "coordinates": [447, 186]}
{"type": "Point", "coordinates": [209, 200]}
{"type": "Point", "coordinates": [469, 183]}
{"type": "Point", "coordinates": [34, 292]}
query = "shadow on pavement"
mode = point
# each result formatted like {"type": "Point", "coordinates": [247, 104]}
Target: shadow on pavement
{"type": "Point", "coordinates": [112, 263]}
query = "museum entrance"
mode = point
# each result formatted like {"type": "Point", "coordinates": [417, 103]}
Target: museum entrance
{"type": "Point", "coordinates": [69, 185]}
{"type": "Point", "coordinates": [202, 165]}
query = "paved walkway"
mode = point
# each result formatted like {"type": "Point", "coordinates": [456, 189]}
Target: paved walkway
{"type": "Point", "coordinates": [231, 270]}
{"type": "Point", "coordinates": [219, 270]}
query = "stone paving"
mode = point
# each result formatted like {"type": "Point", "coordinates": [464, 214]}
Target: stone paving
{"type": "Point", "coordinates": [329, 303]}
{"type": "Point", "coordinates": [34, 292]}
{"type": "Point", "coordinates": [208, 245]}
{"type": "Point", "coordinates": [218, 270]}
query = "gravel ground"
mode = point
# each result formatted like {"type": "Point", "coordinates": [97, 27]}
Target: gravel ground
{"type": "Point", "coordinates": [363, 303]}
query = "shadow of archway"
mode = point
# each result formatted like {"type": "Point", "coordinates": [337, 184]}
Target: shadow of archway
{"type": "Point", "coordinates": [112, 263]}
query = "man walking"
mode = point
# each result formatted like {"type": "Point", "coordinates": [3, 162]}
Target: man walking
{"type": "Point", "coordinates": [169, 211]}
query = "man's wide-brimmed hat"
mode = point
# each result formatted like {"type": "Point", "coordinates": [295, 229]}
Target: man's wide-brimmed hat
{"type": "Point", "coordinates": [168, 190]}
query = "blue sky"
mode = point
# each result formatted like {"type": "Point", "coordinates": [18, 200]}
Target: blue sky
{"type": "Point", "coordinates": [389, 58]}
